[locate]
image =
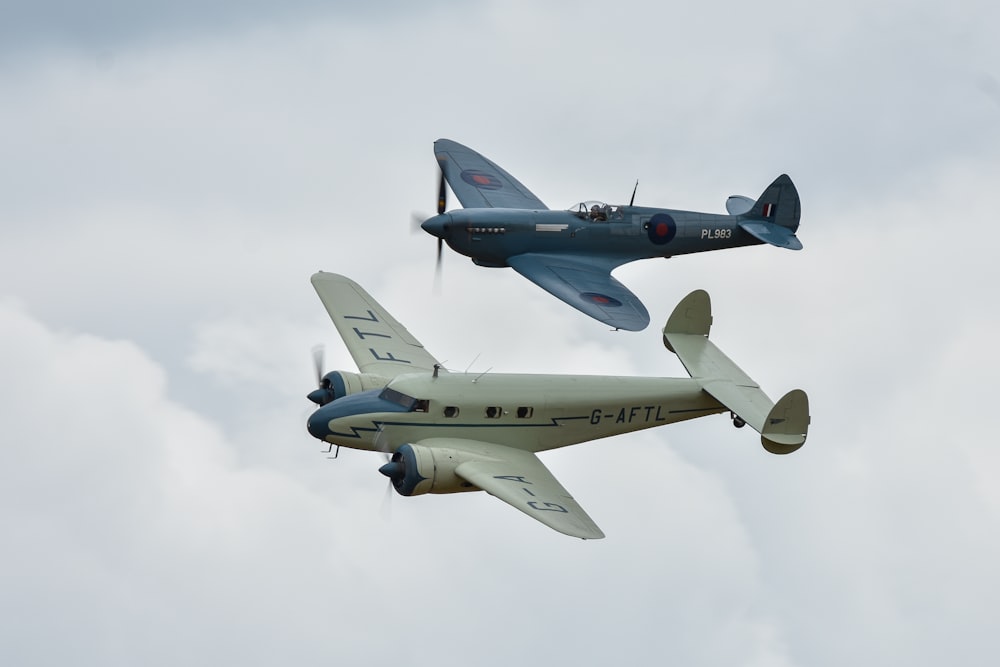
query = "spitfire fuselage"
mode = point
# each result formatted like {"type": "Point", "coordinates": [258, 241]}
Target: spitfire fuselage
{"type": "Point", "coordinates": [490, 236]}
{"type": "Point", "coordinates": [530, 412]}
{"type": "Point", "coordinates": [571, 253]}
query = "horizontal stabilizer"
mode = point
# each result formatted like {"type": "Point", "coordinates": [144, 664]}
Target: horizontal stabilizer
{"type": "Point", "coordinates": [783, 426]}
{"type": "Point", "coordinates": [738, 205]}
{"type": "Point", "coordinates": [776, 235]}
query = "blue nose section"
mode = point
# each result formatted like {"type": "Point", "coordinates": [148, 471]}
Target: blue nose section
{"type": "Point", "coordinates": [319, 424]}
{"type": "Point", "coordinates": [438, 226]}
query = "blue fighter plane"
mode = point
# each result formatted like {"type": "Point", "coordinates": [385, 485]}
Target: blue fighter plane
{"type": "Point", "coordinates": [571, 253]}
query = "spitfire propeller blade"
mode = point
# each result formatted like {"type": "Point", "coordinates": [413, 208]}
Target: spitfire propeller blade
{"type": "Point", "coordinates": [441, 208]}
{"type": "Point", "coordinates": [442, 195]}
{"type": "Point", "coordinates": [437, 268]}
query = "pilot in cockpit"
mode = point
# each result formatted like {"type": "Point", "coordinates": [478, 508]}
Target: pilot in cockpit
{"type": "Point", "coordinates": [598, 214]}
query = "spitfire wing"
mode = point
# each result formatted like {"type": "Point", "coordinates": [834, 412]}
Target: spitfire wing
{"type": "Point", "coordinates": [521, 480]}
{"type": "Point", "coordinates": [479, 182]}
{"type": "Point", "coordinates": [378, 343]}
{"type": "Point", "coordinates": [586, 284]}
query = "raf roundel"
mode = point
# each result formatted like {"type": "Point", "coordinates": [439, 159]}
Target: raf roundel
{"type": "Point", "coordinates": [601, 299]}
{"type": "Point", "coordinates": [481, 179]}
{"type": "Point", "coordinates": [661, 229]}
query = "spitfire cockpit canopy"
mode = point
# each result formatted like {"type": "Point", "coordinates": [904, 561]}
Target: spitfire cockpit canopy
{"type": "Point", "coordinates": [597, 211]}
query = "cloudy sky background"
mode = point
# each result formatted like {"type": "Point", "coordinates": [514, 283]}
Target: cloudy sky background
{"type": "Point", "coordinates": [171, 174]}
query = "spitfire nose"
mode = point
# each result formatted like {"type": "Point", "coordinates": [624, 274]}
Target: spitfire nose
{"type": "Point", "coordinates": [438, 225]}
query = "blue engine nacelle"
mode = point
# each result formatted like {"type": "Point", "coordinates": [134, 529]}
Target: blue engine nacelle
{"type": "Point", "coordinates": [337, 384]}
{"type": "Point", "coordinates": [415, 470]}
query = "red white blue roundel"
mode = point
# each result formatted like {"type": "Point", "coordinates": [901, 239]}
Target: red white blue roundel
{"type": "Point", "coordinates": [481, 179]}
{"type": "Point", "coordinates": [661, 229]}
{"type": "Point", "coordinates": [601, 299]}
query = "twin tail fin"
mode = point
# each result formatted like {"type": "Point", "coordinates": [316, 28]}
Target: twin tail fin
{"type": "Point", "coordinates": [783, 426]}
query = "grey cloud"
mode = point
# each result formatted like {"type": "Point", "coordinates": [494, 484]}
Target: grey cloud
{"type": "Point", "coordinates": [104, 26]}
{"type": "Point", "coordinates": [143, 537]}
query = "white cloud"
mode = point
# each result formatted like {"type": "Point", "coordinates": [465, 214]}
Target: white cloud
{"type": "Point", "coordinates": [137, 523]}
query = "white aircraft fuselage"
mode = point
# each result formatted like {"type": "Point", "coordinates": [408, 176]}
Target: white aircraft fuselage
{"type": "Point", "coordinates": [529, 412]}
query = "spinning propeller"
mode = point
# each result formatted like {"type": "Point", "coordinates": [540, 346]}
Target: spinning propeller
{"type": "Point", "coordinates": [323, 394]}
{"type": "Point", "coordinates": [382, 445]}
{"type": "Point", "coordinates": [442, 207]}
{"type": "Point", "coordinates": [435, 227]}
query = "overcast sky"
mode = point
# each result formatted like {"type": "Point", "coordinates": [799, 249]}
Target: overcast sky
{"type": "Point", "coordinates": [172, 173]}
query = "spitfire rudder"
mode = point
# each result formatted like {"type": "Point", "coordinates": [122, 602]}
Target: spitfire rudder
{"type": "Point", "coordinates": [779, 204]}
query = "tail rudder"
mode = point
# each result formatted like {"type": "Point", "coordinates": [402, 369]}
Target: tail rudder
{"type": "Point", "coordinates": [774, 217]}
{"type": "Point", "coordinates": [778, 204]}
{"type": "Point", "coordinates": [787, 423]}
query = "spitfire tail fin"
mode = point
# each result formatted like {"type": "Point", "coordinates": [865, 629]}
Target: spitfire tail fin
{"type": "Point", "coordinates": [774, 217]}
{"type": "Point", "coordinates": [778, 204]}
{"type": "Point", "coordinates": [783, 426]}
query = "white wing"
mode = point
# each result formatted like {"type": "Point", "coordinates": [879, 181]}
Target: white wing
{"type": "Point", "coordinates": [378, 343]}
{"type": "Point", "coordinates": [521, 480]}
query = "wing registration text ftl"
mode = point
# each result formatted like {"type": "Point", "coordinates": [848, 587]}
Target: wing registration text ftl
{"type": "Point", "coordinates": [454, 432]}
{"type": "Point", "coordinates": [571, 253]}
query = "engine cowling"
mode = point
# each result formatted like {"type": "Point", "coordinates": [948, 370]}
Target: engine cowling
{"type": "Point", "coordinates": [337, 384]}
{"type": "Point", "coordinates": [415, 470]}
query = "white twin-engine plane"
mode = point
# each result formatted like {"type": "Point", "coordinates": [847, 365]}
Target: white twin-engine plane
{"type": "Point", "coordinates": [449, 432]}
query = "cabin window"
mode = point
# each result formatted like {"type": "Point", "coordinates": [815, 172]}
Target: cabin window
{"type": "Point", "coordinates": [524, 412]}
{"type": "Point", "coordinates": [451, 411]}
{"type": "Point", "coordinates": [494, 412]}
{"type": "Point", "coordinates": [421, 405]}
